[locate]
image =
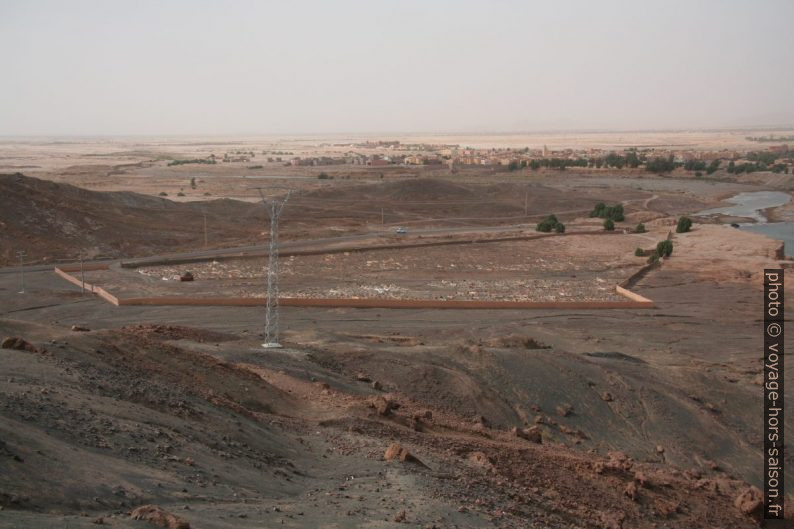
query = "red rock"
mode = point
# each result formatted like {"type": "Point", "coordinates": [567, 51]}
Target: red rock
{"type": "Point", "coordinates": [533, 434]}
{"type": "Point", "coordinates": [398, 453]}
{"type": "Point", "coordinates": [619, 461]}
{"type": "Point", "coordinates": [18, 344]}
{"type": "Point", "coordinates": [749, 500]}
{"type": "Point", "coordinates": [564, 410]}
{"type": "Point", "coordinates": [530, 434]}
{"type": "Point", "coordinates": [382, 405]}
{"type": "Point", "coordinates": [664, 508]}
{"type": "Point", "coordinates": [631, 491]}
{"type": "Point", "coordinates": [479, 458]}
{"type": "Point", "coordinates": [158, 516]}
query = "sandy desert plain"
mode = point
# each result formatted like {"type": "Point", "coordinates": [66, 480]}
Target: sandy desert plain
{"type": "Point", "coordinates": [559, 417]}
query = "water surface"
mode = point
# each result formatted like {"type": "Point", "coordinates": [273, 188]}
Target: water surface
{"type": "Point", "coordinates": [751, 205]}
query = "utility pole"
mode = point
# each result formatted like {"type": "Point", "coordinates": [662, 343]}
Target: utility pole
{"type": "Point", "coordinates": [205, 230]}
{"type": "Point", "coordinates": [274, 208]}
{"type": "Point", "coordinates": [21, 255]}
{"type": "Point", "coordinates": [82, 273]}
{"type": "Point", "coordinates": [381, 217]}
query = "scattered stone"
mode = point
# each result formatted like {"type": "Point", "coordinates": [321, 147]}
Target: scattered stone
{"type": "Point", "coordinates": [98, 521]}
{"type": "Point", "coordinates": [361, 377]}
{"type": "Point", "coordinates": [187, 276]}
{"type": "Point", "coordinates": [659, 449]}
{"type": "Point", "coordinates": [665, 508]}
{"type": "Point", "coordinates": [749, 500]}
{"type": "Point", "coordinates": [606, 396]}
{"type": "Point", "coordinates": [382, 405]}
{"type": "Point", "coordinates": [400, 517]}
{"type": "Point", "coordinates": [80, 328]}
{"type": "Point", "coordinates": [564, 410]}
{"type": "Point", "coordinates": [544, 419]}
{"type": "Point", "coordinates": [532, 434]}
{"type": "Point", "coordinates": [479, 458]}
{"type": "Point", "coordinates": [377, 386]}
{"type": "Point", "coordinates": [575, 432]}
{"type": "Point", "coordinates": [631, 491]}
{"type": "Point", "coordinates": [18, 344]}
{"type": "Point", "coordinates": [398, 453]}
{"type": "Point", "coordinates": [618, 461]}
{"type": "Point", "coordinates": [156, 515]}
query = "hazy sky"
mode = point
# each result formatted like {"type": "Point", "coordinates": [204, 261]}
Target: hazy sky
{"type": "Point", "coordinates": [236, 67]}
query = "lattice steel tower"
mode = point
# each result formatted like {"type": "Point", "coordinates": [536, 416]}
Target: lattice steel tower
{"type": "Point", "coordinates": [274, 208]}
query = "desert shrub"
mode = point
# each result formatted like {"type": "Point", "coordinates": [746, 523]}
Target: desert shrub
{"type": "Point", "coordinates": [560, 227]}
{"type": "Point", "coordinates": [684, 225]}
{"type": "Point", "coordinates": [640, 228]}
{"type": "Point", "coordinates": [653, 258]}
{"type": "Point", "coordinates": [162, 194]}
{"type": "Point", "coordinates": [609, 225]}
{"type": "Point", "coordinates": [180, 194]}
{"type": "Point", "coordinates": [664, 248]}
{"type": "Point", "coordinates": [193, 182]}
{"type": "Point", "coordinates": [639, 252]}
{"type": "Point", "coordinates": [323, 176]}
{"type": "Point", "coordinates": [255, 166]}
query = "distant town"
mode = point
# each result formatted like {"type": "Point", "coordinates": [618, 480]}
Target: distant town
{"type": "Point", "coordinates": [778, 158]}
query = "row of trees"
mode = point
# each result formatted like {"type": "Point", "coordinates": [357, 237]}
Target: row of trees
{"type": "Point", "coordinates": [602, 211]}
{"type": "Point", "coordinates": [760, 161]}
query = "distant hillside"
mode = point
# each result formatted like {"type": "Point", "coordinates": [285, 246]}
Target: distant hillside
{"type": "Point", "coordinates": [53, 221]}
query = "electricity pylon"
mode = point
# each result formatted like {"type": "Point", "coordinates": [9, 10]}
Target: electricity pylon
{"type": "Point", "coordinates": [274, 208]}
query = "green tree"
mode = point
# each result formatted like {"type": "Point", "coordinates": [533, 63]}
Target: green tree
{"type": "Point", "coordinates": [598, 210]}
{"type": "Point", "coordinates": [609, 225]}
{"type": "Point", "coordinates": [684, 225]}
{"type": "Point", "coordinates": [640, 228]}
{"type": "Point", "coordinates": [664, 248]}
{"type": "Point", "coordinates": [550, 224]}
{"type": "Point", "coordinates": [639, 252]}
